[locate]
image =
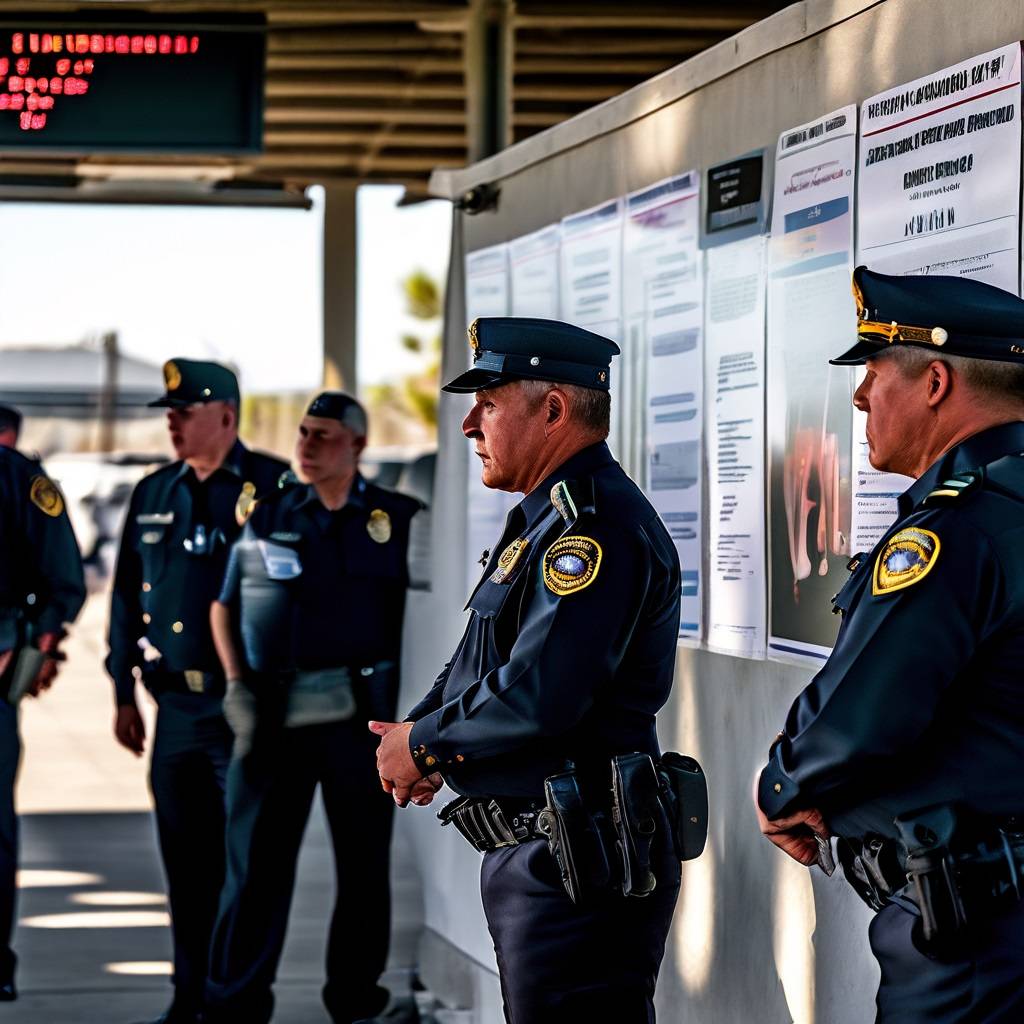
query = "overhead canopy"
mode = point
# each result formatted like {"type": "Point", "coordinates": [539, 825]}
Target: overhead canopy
{"type": "Point", "coordinates": [387, 91]}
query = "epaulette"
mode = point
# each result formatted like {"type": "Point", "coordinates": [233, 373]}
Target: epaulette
{"type": "Point", "coordinates": [955, 489]}
{"type": "Point", "coordinates": [573, 499]}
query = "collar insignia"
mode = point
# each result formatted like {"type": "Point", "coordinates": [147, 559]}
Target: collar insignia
{"type": "Point", "coordinates": [509, 559]}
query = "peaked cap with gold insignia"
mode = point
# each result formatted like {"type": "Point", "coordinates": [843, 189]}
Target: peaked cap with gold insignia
{"type": "Point", "coordinates": [952, 316]}
{"type": "Point", "coordinates": [188, 381]}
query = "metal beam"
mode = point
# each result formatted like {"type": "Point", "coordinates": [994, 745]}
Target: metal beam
{"type": "Point", "coordinates": [308, 88]}
{"type": "Point", "coordinates": [413, 65]}
{"type": "Point", "coordinates": [355, 40]}
{"type": "Point", "coordinates": [489, 50]}
{"type": "Point", "coordinates": [423, 162]}
{"type": "Point", "coordinates": [393, 136]}
{"type": "Point", "coordinates": [307, 114]}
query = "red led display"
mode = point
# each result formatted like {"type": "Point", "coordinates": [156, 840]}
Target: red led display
{"type": "Point", "coordinates": [64, 77]}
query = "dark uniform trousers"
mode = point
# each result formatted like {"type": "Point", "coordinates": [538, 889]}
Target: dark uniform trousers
{"type": "Point", "coordinates": [982, 986]}
{"type": "Point", "coordinates": [188, 773]}
{"type": "Point", "coordinates": [593, 961]}
{"type": "Point", "coordinates": [10, 755]}
{"type": "Point", "coordinates": [270, 794]}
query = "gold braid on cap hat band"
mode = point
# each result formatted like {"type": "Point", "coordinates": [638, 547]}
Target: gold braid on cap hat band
{"type": "Point", "coordinates": [894, 332]}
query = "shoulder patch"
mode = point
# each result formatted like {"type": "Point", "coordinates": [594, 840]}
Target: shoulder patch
{"type": "Point", "coordinates": [44, 495]}
{"type": "Point", "coordinates": [571, 564]}
{"type": "Point", "coordinates": [908, 556]}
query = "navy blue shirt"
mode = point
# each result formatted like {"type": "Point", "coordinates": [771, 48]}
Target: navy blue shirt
{"type": "Point", "coordinates": [544, 676]}
{"type": "Point", "coordinates": [346, 603]}
{"type": "Point", "coordinates": [171, 563]}
{"type": "Point", "coordinates": [41, 579]}
{"type": "Point", "coordinates": [922, 699]}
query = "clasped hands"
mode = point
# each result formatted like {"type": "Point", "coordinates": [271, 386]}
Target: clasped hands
{"type": "Point", "coordinates": [398, 772]}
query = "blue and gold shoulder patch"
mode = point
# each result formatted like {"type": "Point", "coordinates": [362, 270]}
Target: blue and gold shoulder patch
{"type": "Point", "coordinates": [571, 564]}
{"type": "Point", "coordinates": [908, 556]}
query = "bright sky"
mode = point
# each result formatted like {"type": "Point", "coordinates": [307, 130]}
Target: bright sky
{"type": "Point", "coordinates": [237, 284]}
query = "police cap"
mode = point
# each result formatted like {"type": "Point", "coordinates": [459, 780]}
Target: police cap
{"type": "Point", "coordinates": [508, 348]}
{"type": "Point", "coordinates": [336, 405]}
{"type": "Point", "coordinates": [192, 380]}
{"type": "Point", "coordinates": [951, 316]}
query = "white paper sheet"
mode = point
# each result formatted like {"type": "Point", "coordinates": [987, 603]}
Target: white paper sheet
{"type": "Point", "coordinates": [811, 317]}
{"type": "Point", "coordinates": [534, 259]}
{"type": "Point", "coordinates": [938, 192]}
{"type": "Point", "coordinates": [487, 294]}
{"type": "Point", "coordinates": [734, 353]}
{"type": "Point", "coordinates": [591, 278]}
{"type": "Point", "coordinates": [663, 268]}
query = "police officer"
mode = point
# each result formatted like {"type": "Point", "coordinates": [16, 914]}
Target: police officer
{"type": "Point", "coordinates": [909, 743]}
{"type": "Point", "coordinates": [180, 525]}
{"type": "Point", "coordinates": [41, 589]}
{"type": "Point", "coordinates": [567, 657]}
{"type": "Point", "coordinates": [315, 590]}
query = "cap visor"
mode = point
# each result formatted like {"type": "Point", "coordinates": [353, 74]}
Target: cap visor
{"type": "Point", "coordinates": [166, 402]}
{"type": "Point", "coordinates": [859, 354]}
{"type": "Point", "coordinates": [475, 380]}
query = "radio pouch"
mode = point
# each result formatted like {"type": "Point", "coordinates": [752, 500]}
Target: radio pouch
{"type": "Point", "coordinates": [684, 793]}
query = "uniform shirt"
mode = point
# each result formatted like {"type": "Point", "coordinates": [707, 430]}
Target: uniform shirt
{"type": "Point", "coordinates": [345, 606]}
{"type": "Point", "coordinates": [41, 575]}
{"type": "Point", "coordinates": [921, 701]}
{"type": "Point", "coordinates": [539, 679]}
{"type": "Point", "coordinates": [173, 552]}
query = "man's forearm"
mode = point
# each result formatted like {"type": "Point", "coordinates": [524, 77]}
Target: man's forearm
{"type": "Point", "coordinates": [224, 641]}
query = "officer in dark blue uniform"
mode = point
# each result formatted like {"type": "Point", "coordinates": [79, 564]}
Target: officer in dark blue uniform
{"type": "Point", "coordinates": [181, 522]}
{"type": "Point", "coordinates": [41, 589]}
{"type": "Point", "coordinates": [309, 628]}
{"type": "Point", "coordinates": [567, 657]}
{"type": "Point", "coordinates": [909, 743]}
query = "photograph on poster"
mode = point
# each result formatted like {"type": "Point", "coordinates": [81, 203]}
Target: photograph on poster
{"type": "Point", "coordinates": [664, 306]}
{"type": "Point", "coordinates": [810, 318]}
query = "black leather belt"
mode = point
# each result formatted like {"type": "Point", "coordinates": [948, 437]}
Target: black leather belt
{"type": "Point", "coordinates": [490, 825]}
{"type": "Point", "coordinates": [190, 681]}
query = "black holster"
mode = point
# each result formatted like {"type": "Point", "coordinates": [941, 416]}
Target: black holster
{"type": "Point", "coordinates": [684, 795]}
{"type": "Point", "coordinates": [636, 811]}
{"type": "Point", "coordinates": [575, 837]}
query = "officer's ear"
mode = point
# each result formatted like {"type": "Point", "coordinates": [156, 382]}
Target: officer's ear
{"type": "Point", "coordinates": [939, 377]}
{"type": "Point", "coordinates": [558, 409]}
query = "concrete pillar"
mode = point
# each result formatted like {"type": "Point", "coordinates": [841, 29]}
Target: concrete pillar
{"type": "Point", "coordinates": [489, 56]}
{"type": "Point", "coordinates": [339, 270]}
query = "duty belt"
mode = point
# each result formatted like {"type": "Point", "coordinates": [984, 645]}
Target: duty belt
{"type": "Point", "coordinates": [490, 826]}
{"type": "Point", "coordinates": [190, 680]}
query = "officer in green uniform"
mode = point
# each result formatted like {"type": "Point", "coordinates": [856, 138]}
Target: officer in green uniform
{"type": "Point", "coordinates": [909, 744]}
{"type": "Point", "coordinates": [181, 522]}
{"type": "Point", "coordinates": [309, 629]}
{"type": "Point", "coordinates": [41, 589]}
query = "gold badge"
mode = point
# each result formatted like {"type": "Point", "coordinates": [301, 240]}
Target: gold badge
{"type": "Point", "coordinates": [509, 559]}
{"type": "Point", "coordinates": [907, 558]}
{"type": "Point", "coordinates": [474, 341]}
{"type": "Point", "coordinates": [571, 564]}
{"type": "Point", "coordinates": [378, 526]}
{"type": "Point", "coordinates": [172, 376]}
{"type": "Point", "coordinates": [246, 503]}
{"type": "Point", "coordinates": [44, 494]}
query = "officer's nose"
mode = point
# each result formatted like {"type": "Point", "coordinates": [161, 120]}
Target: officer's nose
{"type": "Point", "coordinates": [471, 424]}
{"type": "Point", "coordinates": [860, 396]}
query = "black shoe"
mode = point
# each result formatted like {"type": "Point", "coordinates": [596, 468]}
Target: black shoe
{"type": "Point", "coordinates": [8, 993]}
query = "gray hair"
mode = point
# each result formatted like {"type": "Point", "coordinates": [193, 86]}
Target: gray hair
{"type": "Point", "coordinates": [993, 379]}
{"type": "Point", "coordinates": [589, 407]}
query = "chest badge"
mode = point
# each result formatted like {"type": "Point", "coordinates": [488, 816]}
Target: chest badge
{"type": "Point", "coordinates": [509, 559]}
{"type": "Point", "coordinates": [44, 495]}
{"type": "Point", "coordinates": [571, 564]}
{"type": "Point", "coordinates": [908, 556]}
{"type": "Point", "coordinates": [378, 526]}
{"type": "Point", "coordinates": [246, 503]}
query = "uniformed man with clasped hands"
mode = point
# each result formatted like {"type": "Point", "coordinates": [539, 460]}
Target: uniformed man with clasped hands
{"type": "Point", "coordinates": [42, 588]}
{"type": "Point", "coordinates": [568, 655]}
{"type": "Point", "coordinates": [309, 628]}
{"type": "Point", "coordinates": [181, 522]}
{"type": "Point", "coordinates": [909, 744]}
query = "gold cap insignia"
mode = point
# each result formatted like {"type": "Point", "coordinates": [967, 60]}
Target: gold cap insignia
{"type": "Point", "coordinates": [378, 526]}
{"type": "Point", "coordinates": [44, 495]}
{"type": "Point", "coordinates": [908, 556]}
{"type": "Point", "coordinates": [571, 564]}
{"type": "Point", "coordinates": [509, 559]}
{"type": "Point", "coordinates": [474, 341]}
{"type": "Point", "coordinates": [172, 375]}
{"type": "Point", "coordinates": [246, 503]}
